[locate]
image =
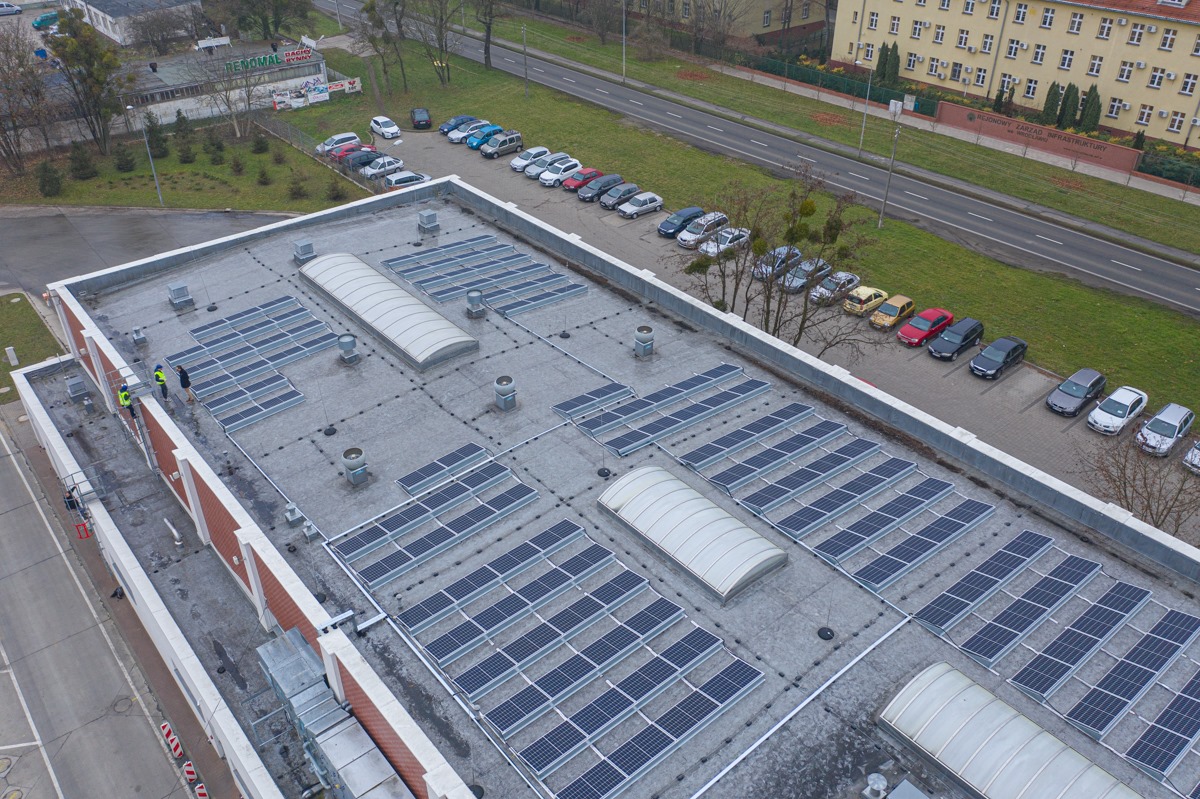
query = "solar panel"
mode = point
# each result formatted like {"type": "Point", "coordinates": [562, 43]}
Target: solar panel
{"type": "Point", "coordinates": [635, 409]}
{"type": "Point", "coordinates": [981, 582]}
{"type": "Point", "coordinates": [922, 545]}
{"type": "Point", "coordinates": [790, 449]}
{"type": "Point", "coordinates": [443, 467]}
{"type": "Point", "coordinates": [745, 435]}
{"type": "Point", "coordinates": [1172, 734]}
{"type": "Point", "coordinates": [1126, 681]}
{"type": "Point", "coordinates": [682, 418]}
{"type": "Point", "coordinates": [474, 269]}
{"type": "Point", "coordinates": [810, 475]}
{"type": "Point", "coordinates": [584, 403]}
{"type": "Point", "coordinates": [841, 499]}
{"type": "Point", "coordinates": [1011, 625]}
{"type": "Point", "coordinates": [437, 254]}
{"type": "Point", "coordinates": [883, 520]}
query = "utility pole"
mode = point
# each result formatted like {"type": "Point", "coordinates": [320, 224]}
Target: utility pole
{"type": "Point", "coordinates": [525, 55]}
{"type": "Point", "coordinates": [897, 108]}
{"type": "Point", "coordinates": [866, 101]}
{"type": "Point", "coordinates": [150, 155]}
{"type": "Point", "coordinates": [623, 2]}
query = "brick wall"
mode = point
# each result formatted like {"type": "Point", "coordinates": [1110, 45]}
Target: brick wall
{"type": "Point", "coordinates": [384, 735]}
{"type": "Point", "coordinates": [281, 604]}
{"type": "Point", "coordinates": [222, 529]}
{"type": "Point", "coordinates": [164, 453]}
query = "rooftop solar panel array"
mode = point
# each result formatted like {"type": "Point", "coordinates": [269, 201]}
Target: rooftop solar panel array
{"type": "Point", "coordinates": [619, 702]}
{"type": "Point", "coordinates": [527, 704]}
{"type": "Point", "coordinates": [843, 498]}
{"type": "Point", "coordinates": [1049, 669]}
{"type": "Point", "coordinates": [432, 258]}
{"type": "Point", "coordinates": [745, 435]}
{"type": "Point", "coordinates": [1173, 732]}
{"type": "Point", "coordinates": [1012, 624]}
{"type": "Point", "coordinates": [1126, 681]}
{"type": "Point", "coordinates": [444, 467]}
{"type": "Point", "coordinates": [635, 409]}
{"type": "Point", "coordinates": [984, 580]}
{"type": "Point", "coordinates": [510, 564]}
{"type": "Point", "coordinates": [665, 735]}
{"type": "Point", "coordinates": [548, 295]}
{"type": "Point", "coordinates": [586, 403]}
{"type": "Point", "coordinates": [791, 448]}
{"type": "Point", "coordinates": [686, 416]}
{"type": "Point", "coordinates": [921, 545]}
{"type": "Point", "coordinates": [489, 281]}
{"type": "Point", "coordinates": [581, 614]}
{"type": "Point", "coordinates": [270, 308]}
{"type": "Point", "coordinates": [886, 518]}
{"type": "Point", "coordinates": [259, 409]}
{"type": "Point", "coordinates": [470, 270]}
{"type": "Point", "coordinates": [809, 475]}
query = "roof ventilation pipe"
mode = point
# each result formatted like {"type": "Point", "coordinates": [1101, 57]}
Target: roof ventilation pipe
{"type": "Point", "coordinates": [346, 343]}
{"type": "Point", "coordinates": [356, 466]}
{"type": "Point", "coordinates": [506, 393]}
{"type": "Point", "coordinates": [876, 786]}
{"type": "Point", "coordinates": [475, 306]}
{"type": "Point", "coordinates": [643, 341]}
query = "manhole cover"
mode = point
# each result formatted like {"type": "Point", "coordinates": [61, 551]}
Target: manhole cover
{"type": "Point", "coordinates": [122, 705]}
{"type": "Point", "coordinates": [825, 634]}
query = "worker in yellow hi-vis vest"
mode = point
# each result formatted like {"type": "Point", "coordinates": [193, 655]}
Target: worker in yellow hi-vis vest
{"type": "Point", "coordinates": [126, 400]}
{"type": "Point", "coordinates": [160, 377]}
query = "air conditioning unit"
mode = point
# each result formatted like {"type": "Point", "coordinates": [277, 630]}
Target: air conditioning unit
{"type": "Point", "coordinates": [966, 81]}
{"type": "Point", "coordinates": [1124, 106]}
{"type": "Point", "coordinates": [971, 49]}
{"type": "Point", "coordinates": [1162, 112]}
{"type": "Point", "coordinates": [1024, 45]}
{"type": "Point", "coordinates": [1151, 29]}
{"type": "Point", "coordinates": [942, 64]}
{"type": "Point", "coordinates": [1122, 21]}
{"type": "Point", "coordinates": [1014, 81]}
{"type": "Point", "coordinates": [926, 24]}
{"type": "Point", "coordinates": [920, 59]}
{"type": "Point", "coordinates": [1170, 76]}
{"type": "Point", "coordinates": [968, 70]}
{"type": "Point", "coordinates": [941, 76]}
{"type": "Point", "coordinates": [1195, 121]}
{"type": "Point", "coordinates": [1140, 64]}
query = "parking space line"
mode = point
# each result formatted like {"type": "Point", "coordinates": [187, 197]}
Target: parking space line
{"type": "Point", "coordinates": [25, 707]}
{"type": "Point", "coordinates": [1036, 401]}
{"type": "Point", "coordinates": [24, 745]}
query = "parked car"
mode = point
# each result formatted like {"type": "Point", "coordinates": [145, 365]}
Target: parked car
{"type": "Point", "coordinates": [998, 356]}
{"type": "Point", "coordinates": [1076, 391]}
{"type": "Point", "coordinates": [617, 195]}
{"type": "Point", "coordinates": [1165, 429]}
{"type": "Point", "coordinates": [892, 312]}
{"type": "Point", "coordinates": [483, 136]}
{"type": "Point", "coordinates": [645, 203]}
{"type": "Point", "coordinates": [957, 339]}
{"type": "Point", "coordinates": [676, 222]}
{"type": "Point", "coordinates": [404, 179]}
{"type": "Point", "coordinates": [864, 300]}
{"type": "Point", "coordinates": [380, 167]}
{"type": "Point", "coordinates": [925, 326]}
{"type": "Point", "coordinates": [804, 275]}
{"type": "Point", "coordinates": [420, 119]}
{"type": "Point", "coordinates": [509, 141]}
{"type": "Point", "coordinates": [556, 173]}
{"type": "Point", "coordinates": [358, 159]}
{"type": "Point", "coordinates": [383, 126]}
{"type": "Point", "coordinates": [8, 8]}
{"type": "Point", "coordinates": [340, 154]}
{"type": "Point", "coordinates": [1191, 459]}
{"type": "Point", "coordinates": [776, 263]}
{"type": "Point", "coordinates": [333, 141]}
{"type": "Point", "coordinates": [597, 188]}
{"type": "Point", "coordinates": [1120, 408]}
{"type": "Point", "coordinates": [453, 122]}
{"type": "Point", "coordinates": [834, 288]}
{"type": "Point", "coordinates": [726, 240]}
{"type": "Point", "coordinates": [464, 131]}
{"type": "Point", "coordinates": [701, 229]}
{"type": "Point", "coordinates": [581, 178]}
{"type": "Point", "coordinates": [526, 158]}
{"type": "Point", "coordinates": [535, 170]}
{"type": "Point", "coordinates": [43, 21]}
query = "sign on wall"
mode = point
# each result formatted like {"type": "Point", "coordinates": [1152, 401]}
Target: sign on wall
{"type": "Point", "coordinates": [269, 60]}
{"type": "Point", "coordinates": [313, 92]}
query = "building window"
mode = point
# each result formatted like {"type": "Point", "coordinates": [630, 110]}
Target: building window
{"type": "Point", "coordinates": [1189, 84]}
{"type": "Point", "coordinates": [1168, 39]}
{"type": "Point", "coordinates": [671, 7]}
{"type": "Point", "coordinates": [1114, 107]}
{"type": "Point", "coordinates": [939, 34]}
{"type": "Point", "coordinates": [988, 41]}
{"type": "Point", "coordinates": [916, 29]}
{"type": "Point", "coordinates": [963, 36]}
{"type": "Point", "coordinates": [869, 52]}
{"type": "Point", "coordinates": [1021, 12]}
{"type": "Point", "coordinates": [1144, 114]}
{"type": "Point", "coordinates": [1005, 81]}
{"type": "Point", "coordinates": [1076, 23]}
{"type": "Point", "coordinates": [687, 9]}
{"type": "Point", "coordinates": [645, 3]}
{"type": "Point", "coordinates": [805, 9]}
{"type": "Point", "coordinates": [1095, 64]}
{"type": "Point", "coordinates": [767, 18]}
{"type": "Point", "coordinates": [873, 21]}
{"type": "Point", "coordinates": [994, 9]}
{"type": "Point", "coordinates": [1105, 28]}
{"type": "Point", "coordinates": [944, 5]}
{"type": "Point", "coordinates": [956, 71]}
{"type": "Point", "coordinates": [1039, 53]}
{"type": "Point", "coordinates": [894, 28]}
{"type": "Point", "coordinates": [1136, 31]}
{"type": "Point", "coordinates": [1014, 47]}
{"type": "Point", "coordinates": [1068, 58]}
{"type": "Point", "coordinates": [1047, 17]}
{"type": "Point", "coordinates": [1030, 89]}
{"type": "Point", "coordinates": [933, 66]}
{"type": "Point", "coordinates": [1196, 46]}
{"type": "Point", "coordinates": [968, 6]}
{"type": "Point", "coordinates": [1176, 123]}
{"type": "Point", "coordinates": [911, 64]}
{"type": "Point", "coordinates": [1156, 78]}
{"type": "Point", "coordinates": [980, 77]}
{"type": "Point", "coordinates": [1125, 72]}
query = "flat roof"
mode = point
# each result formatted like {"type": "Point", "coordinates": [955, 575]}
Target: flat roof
{"type": "Point", "coordinates": [831, 487]}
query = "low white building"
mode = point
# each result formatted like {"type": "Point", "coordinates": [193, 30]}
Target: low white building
{"type": "Point", "coordinates": [114, 18]}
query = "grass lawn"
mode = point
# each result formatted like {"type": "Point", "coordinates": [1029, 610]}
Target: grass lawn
{"type": "Point", "coordinates": [1159, 218]}
{"type": "Point", "coordinates": [197, 185]}
{"type": "Point", "coordinates": [22, 329]}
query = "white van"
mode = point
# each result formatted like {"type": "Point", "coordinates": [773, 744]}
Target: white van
{"type": "Point", "coordinates": [337, 141]}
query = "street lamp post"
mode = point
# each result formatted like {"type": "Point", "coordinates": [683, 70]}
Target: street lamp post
{"type": "Point", "coordinates": [150, 155]}
{"type": "Point", "coordinates": [623, 42]}
{"type": "Point", "coordinates": [525, 58]}
{"type": "Point", "coordinates": [891, 166]}
{"type": "Point", "coordinates": [866, 101]}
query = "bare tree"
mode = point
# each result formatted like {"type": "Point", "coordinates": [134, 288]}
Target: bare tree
{"type": "Point", "coordinates": [21, 93]}
{"type": "Point", "coordinates": [486, 12]}
{"type": "Point", "coordinates": [435, 32]}
{"type": "Point", "coordinates": [380, 29]}
{"type": "Point", "coordinates": [722, 18]}
{"type": "Point", "coordinates": [1156, 490]}
{"type": "Point", "coordinates": [232, 95]}
{"type": "Point", "coordinates": [157, 28]}
{"type": "Point", "coordinates": [604, 16]}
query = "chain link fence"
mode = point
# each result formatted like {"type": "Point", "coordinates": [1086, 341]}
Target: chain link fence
{"type": "Point", "coordinates": [308, 145]}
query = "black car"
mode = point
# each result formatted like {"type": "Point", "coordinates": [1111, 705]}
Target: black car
{"type": "Point", "coordinates": [618, 195]}
{"type": "Point", "coordinates": [421, 120]}
{"type": "Point", "coordinates": [998, 356]}
{"type": "Point", "coordinates": [1076, 392]}
{"type": "Point", "coordinates": [670, 227]}
{"type": "Point", "coordinates": [592, 191]}
{"type": "Point", "coordinates": [356, 161]}
{"type": "Point", "coordinates": [957, 339]}
{"type": "Point", "coordinates": [454, 122]}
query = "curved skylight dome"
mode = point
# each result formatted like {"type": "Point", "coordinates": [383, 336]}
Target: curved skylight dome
{"type": "Point", "coordinates": [420, 334]}
{"type": "Point", "coordinates": [990, 747]}
{"type": "Point", "coordinates": [716, 548]}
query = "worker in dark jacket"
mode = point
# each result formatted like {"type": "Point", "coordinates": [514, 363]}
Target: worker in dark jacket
{"type": "Point", "coordinates": [185, 383]}
{"type": "Point", "coordinates": [126, 400]}
{"type": "Point", "coordinates": [160, 378]}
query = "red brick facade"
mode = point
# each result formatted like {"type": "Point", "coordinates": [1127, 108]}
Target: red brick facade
{"type": "Point", "coordinates": [281, 604]}
{"type": "Point", "coordinates": [385, 737]}
{"type": "Point", "coordinates": [222, 529]}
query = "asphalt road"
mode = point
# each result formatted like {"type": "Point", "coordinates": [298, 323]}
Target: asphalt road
{"type": "Point", "coordinates": [1009, 236]}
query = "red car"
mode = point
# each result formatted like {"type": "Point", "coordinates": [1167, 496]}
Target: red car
{"type": "Point", "coordinates": [925, 326]}
{"type": "Point", "coordinates": [581, 179]}
{"type": "Point", "coordinates": [338, 153]}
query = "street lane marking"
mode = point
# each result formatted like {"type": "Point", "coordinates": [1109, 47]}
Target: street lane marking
{"type": "Point", "coordinates": [20, 746]}
{"type": "Point", "coordinates": [856, 175]}
{"type": "Point", "coordinates": [1047, 238]}
{"type": "Point", "coordinates": [509, 60]}
{"type": "Point", "coordinates": [601, 91]}
{"type": "Point", "coordinates": [806, 158]}
{"type": "Point", "coordinates": [979, 216]}
{"type": "Point", "coordinates": [637, 102]}
{"type": "Point", "coordinates": [914, 194]}
{"type": "Point", "coordinates": [21, 696]}
{"type": "Point", "coordinates": [569, 80]}
{"type": "Point", "coordinates": [535, 69]}
{"type": "Point", "coordinates": [673, 114]}
{"type": "Point", "coordinates": [1127, 266]}
{"type": "Point", "coordinates": [710, 127]}
{"type": "Point", "coordinates": [760, 144]}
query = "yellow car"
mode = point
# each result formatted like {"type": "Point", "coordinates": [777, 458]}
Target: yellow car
{"type": "Point", "coordinates": [863, 300]}
{"type": "Point", "coordinates": [892, 312]}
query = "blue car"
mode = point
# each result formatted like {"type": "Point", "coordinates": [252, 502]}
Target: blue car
{"type": "Point", "coordinates": [481, 136]}
{"type": "Point", "coordinates": [451, 124]}
{"type": "Point", "coordinates": [677, 221]}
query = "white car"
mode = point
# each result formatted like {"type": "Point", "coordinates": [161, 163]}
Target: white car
{"type": "Point", "coordinates": [381, 167]}
{"type": "Point", "coordinates": [535, 169]}
{"type": "Point", "coordinates": [526, 158]}
{"type": "Point", "coordinates": [730, 238]}
{"type": "Point", "coordinates": [402, 180]}
{"type": "Point", "coordinates": [644, 203]}
{"type": "Point", "coordinates": [556, 173]}
{"type": "Point", "coordinates": [1165, 429]}
{"type": "Point", "coordinates": [385, 127]}
{"type": "Point", "coordinates": [464, 131]}
{"type": "Point", "coordinates": [337, 141]}
{"type": "Point", "coordinates": [1191, 459]}
{"type": "Point", "coordinates": [9, 8]}
{"type": "Point", "coordinates": [1112, 415]}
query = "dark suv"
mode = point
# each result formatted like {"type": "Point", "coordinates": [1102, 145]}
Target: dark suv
{"type": "Point", "coordinates": [957, 339]}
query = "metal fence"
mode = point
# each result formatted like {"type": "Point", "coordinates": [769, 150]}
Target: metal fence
{"type": "Point", "coordinates": [268, 121]}
{"type": "Point", "coordinates": [843, 84]}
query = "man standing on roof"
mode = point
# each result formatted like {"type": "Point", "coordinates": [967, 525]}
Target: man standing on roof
{"type": "Point", "coordinates": [185, 383]}
{"type": "Point", "coordinates": [126, 400]}
{"type": "Point", "coordinates": [160, 378]}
